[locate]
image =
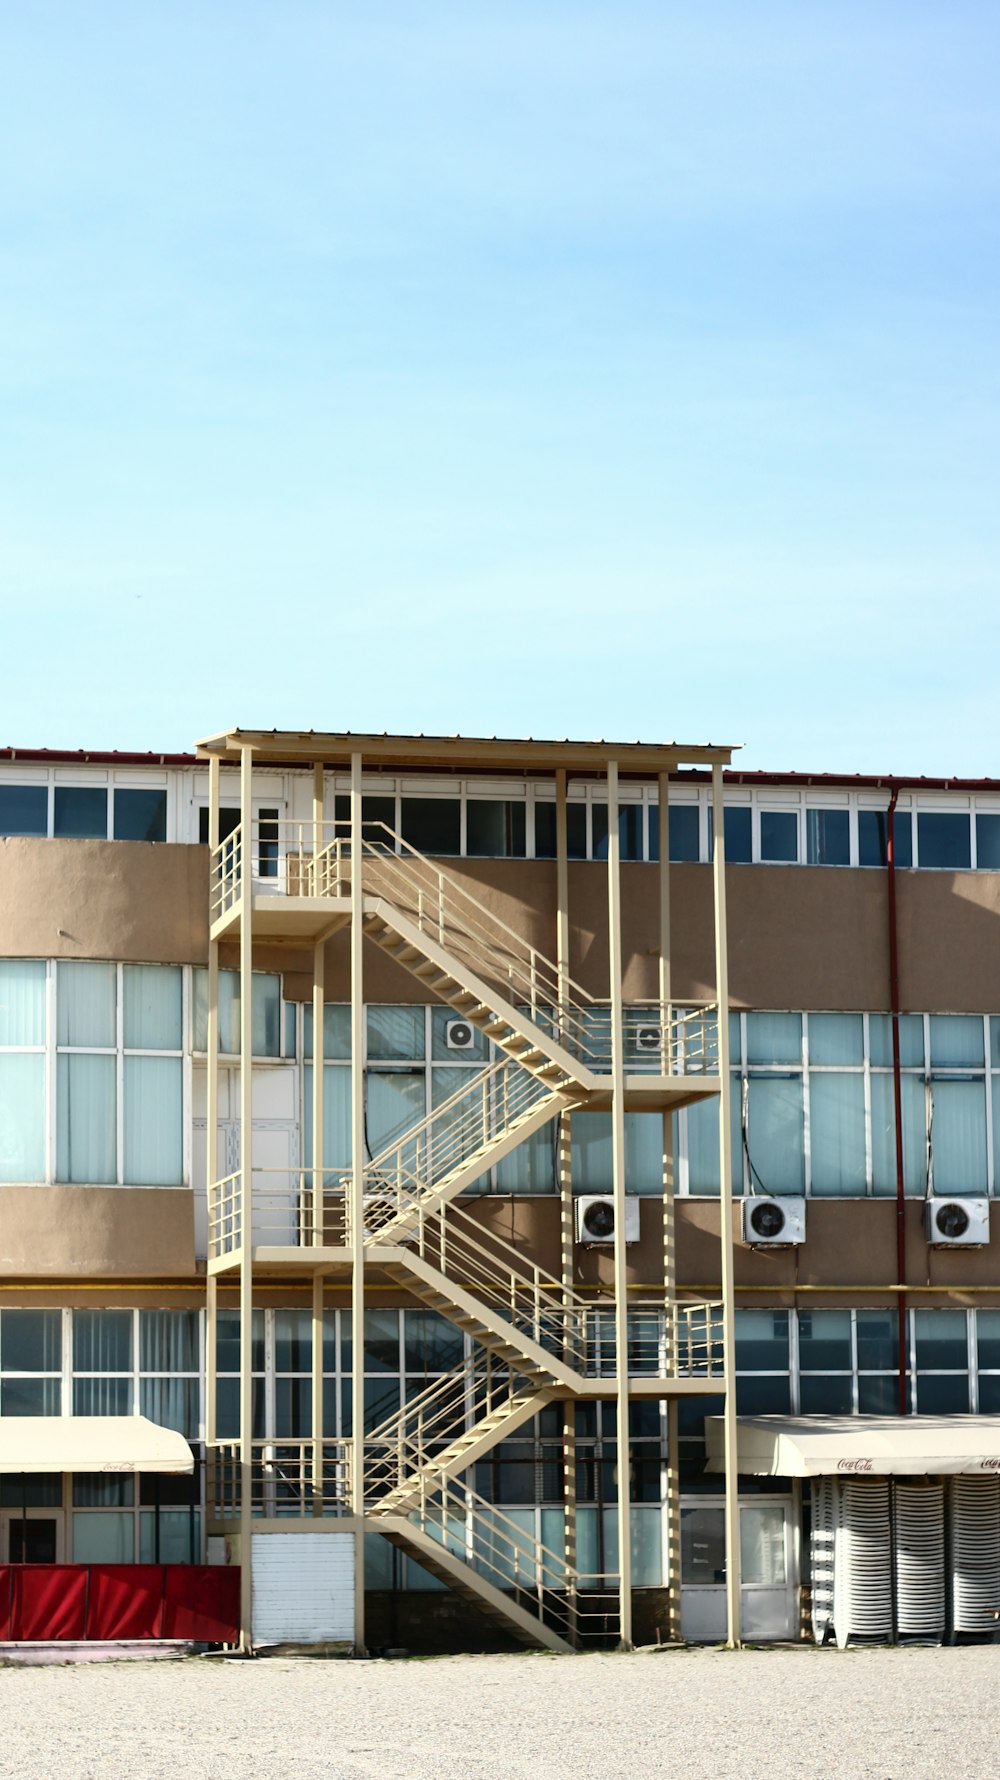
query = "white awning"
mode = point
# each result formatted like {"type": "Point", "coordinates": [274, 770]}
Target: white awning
{"type": "Point", "coordinates": [91, 1443]}
{"type": "Point", "coordinates": [861, 1445]}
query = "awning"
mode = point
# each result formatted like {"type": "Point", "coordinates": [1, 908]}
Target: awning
{"type": "Point", "coordinates": [859, 1445]}
{"type": "Point", "coordinates": [91, 1443]}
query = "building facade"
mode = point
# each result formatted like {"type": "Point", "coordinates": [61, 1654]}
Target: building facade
{"type": "Point", "coordinates": [489, 1193]}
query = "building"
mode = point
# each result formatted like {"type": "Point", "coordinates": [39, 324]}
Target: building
{"type": "Point", "coordinates": [490, 1193]}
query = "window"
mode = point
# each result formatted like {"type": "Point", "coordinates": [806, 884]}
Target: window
{"type": "Point", "coordinates": [81, 812]}
{"type": "Point", "coordinates": [118, 1038]}
{"type": "Point", "coordinates": [229, 821]}
{"type": "Point", "coordinates": [495, 828]}
{"type": "Point", "coordinates": [873, 837]}
{"type": "Point", "coordinates": [943, 841]}
{"type": "Point", "coordinates": [24, 809]}
{"type": "Point", "coordinates": [22, 1070]}
{"type": "Point", "coordinates": [779, 837]}
{"type": "Point", "coordinates": [266, 1014]}
{"type": "Point", "coordinates": [432, 824]}
{"type": "Point", "coordinates": [828, 837]}
{"type": "Point", "coordinates": [988, 842]}
{"type": "Point", "coordinates": [140, 815]}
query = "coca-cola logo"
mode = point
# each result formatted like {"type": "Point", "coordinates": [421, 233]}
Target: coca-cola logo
{"type": "Point", "coordinates": [855, 1465]}
{"type": "Point", "coordinates": [990, 1464]}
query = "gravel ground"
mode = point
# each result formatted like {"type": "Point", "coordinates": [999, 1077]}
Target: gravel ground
{"type": "Point", "coordinates": [887, 1714]}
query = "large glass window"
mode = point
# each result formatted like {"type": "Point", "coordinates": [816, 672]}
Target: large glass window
{"type": "Point", "coordinates": [495, 828]}
{"type": "Point", "coordinates": [22, 1070]}
{"type": "Point", "coordinates": [81, 812]}
{"type": "Point", "coordinates": [779, 837]}
{"type": "Point", "coordinates": [24, 809]}
{"type": "Point", "coordinates": [118, 1038]}
{"type": "Point", "coordinates": [140, 815]}
{"type": "Point", "coordinates": [828, 837]}
{"type": "Point", "coordinates": [873, 837]}
{"type": "Point", "coordinates": [944, 840]}
{"type": "Point", "coordinates": [432, 824]}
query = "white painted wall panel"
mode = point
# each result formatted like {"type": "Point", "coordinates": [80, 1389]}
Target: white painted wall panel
{"type": "Point", "coordinates": [303, 1588]}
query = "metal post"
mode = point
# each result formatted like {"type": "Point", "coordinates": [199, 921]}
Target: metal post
{"type": "Point", "coordinates": [671, 1359]}
{"type": "Point", "coordinates": [726, 1220]}
{"type": "Point", "coordinates": [618, 1176]}
{"type": "Point", "coordinates": [318, 1429]}
{"type": "Point", "coordinates": [246, 1196]}
{"type": "Point", "coordinates": [212, 1114]}
{"type": "Point", "coordinates": [357, 1233]}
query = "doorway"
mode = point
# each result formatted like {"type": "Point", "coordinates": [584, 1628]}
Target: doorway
{"type": "Point", "coordinates": [767, 1565]}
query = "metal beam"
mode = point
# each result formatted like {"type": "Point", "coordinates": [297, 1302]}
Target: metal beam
{"type": "Point", "coordinates": [356, 1222]}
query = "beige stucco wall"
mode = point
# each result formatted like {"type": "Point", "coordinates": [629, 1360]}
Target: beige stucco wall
{"type": "Point", "coordinates": [96, 1232]}
{"type": "Point", "coordinates": [131, 900]}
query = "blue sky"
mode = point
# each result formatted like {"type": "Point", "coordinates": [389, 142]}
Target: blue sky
{"type": "Point", "coordinates": [547, 368]}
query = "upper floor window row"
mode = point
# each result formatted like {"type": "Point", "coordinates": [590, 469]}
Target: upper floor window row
{"type": "Point", "coordinates": [766, 826]}
{"type": "Point", "coordinates": [84, 812]}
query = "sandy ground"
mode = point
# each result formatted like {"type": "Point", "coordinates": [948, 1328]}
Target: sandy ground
{"type": "Point", "coordinates": [890, 1714]}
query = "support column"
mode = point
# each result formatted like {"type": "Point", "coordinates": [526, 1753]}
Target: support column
{"type": "Point", "coordinates": [357, 1196]}
{"type": "Point", "coordinates": [618, 1176]}
{"type": "Point", "coordinates": [567, 1244]}
{"type": "Point", "coordinates": [726, 1220]}
{"type": "Point", "coordinates": [669, 1224]}
{"type": "Point", "coordinates": [317, 1394]}
{"type": "Point", "coordinates": [212, 1113]}
{"type": "Point", "coordinates": [246, 1196]}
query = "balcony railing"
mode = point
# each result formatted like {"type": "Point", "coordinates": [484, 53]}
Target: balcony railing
{"type": "Point", "coordinates": [287, 1479]}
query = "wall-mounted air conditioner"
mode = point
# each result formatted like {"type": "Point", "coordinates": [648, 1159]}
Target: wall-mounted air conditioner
{"type": "Point", "coordinates": [957, 1223]}
{"type": "Point", "coordinates": [647, 1038]}
{"type": "Point", "coordinates": [595, 1219]}
{"type": "Point", "coordinates": [459, 1035]}
{"type": "Point", "coordinates": [774, 1223]}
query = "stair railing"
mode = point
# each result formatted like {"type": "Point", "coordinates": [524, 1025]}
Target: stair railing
{"type": "Point", "coordinates": [515, 1560]}
{"type": "Point", "coordinates": [420, 1162]}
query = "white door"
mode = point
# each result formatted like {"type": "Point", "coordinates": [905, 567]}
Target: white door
{"type": "Point", "coordinates": [275, 1151]}
{"type": "Point", "coordinates": [767, 1593]}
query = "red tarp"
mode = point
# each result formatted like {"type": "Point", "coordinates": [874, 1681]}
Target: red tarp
{"type": "Point", "coordinates": [53, 1602]}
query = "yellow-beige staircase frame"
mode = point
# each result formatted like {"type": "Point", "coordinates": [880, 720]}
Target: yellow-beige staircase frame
{"type": "Point", "coordinates": [424, 1549]}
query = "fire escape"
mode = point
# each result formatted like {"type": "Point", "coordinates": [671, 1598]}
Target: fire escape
{"type": "Point", "coordinates": [534, 1335]}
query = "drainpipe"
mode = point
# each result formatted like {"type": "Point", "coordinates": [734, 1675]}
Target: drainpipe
{"type": "Point", "coordinates": [897, 1097]}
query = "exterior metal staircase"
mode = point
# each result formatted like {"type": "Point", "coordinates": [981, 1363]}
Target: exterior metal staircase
{"type": "Point", "coordinates": [430, 1163]}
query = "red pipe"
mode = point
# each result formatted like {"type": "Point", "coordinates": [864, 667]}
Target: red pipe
{"type": "Point", "coordinates": [897, 1097]}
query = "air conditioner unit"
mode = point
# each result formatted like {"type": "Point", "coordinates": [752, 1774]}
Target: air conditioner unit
{"type": "Point", "coordinates": [459, 1035]}
{"type": "Point", "coordinates": [957, 1223]}
{"type": "Point", "coordinates": [595, 1219]}
{"type": "Point", "coordinates": [774, 1223]}
{"type": "Point", "coordinates": [647, 1038]}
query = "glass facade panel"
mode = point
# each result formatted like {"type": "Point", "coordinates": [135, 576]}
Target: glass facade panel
{"type": "Point", "coordinates": [432, 824]}
{"type": "Point", "coordinates": [495, 828]}
{"type": "Point", "coordinates": [86, 1129]}
{"type": "Point", "coordinates": [775, 1133]}
{"type": "Point", "coordinates": [958, 1136]}
{"type": "Point", "coordinates": [22, 1116]}
{"type": "Point", "coordinates": [873, 837]}
{"type": "Point", "coordinates": [911, 1041]}
{"type": "Point", "coordinates": [685, 831]}
{"type": "Point", "coordinates": [988, 842]}
{"type": "Point", "coordinates": [956, 1041]}
{"type": "Point", "coordinates": [944, 841]}
{"type": "Point", "coordinates": [86, 996]}
{"type": "Point", "coordinates": [152, 1011]}
{"type": "Point", "coordinates": [914, 1115]}
{"type": "Point", "coordinates": [395, 1034]}
{"type": "Point", "coordinates": [30, 1340]}
{"type": "Point", "coordinates": [779, 837]}
{"type": "Point", "coordinates": [762, 1341]}
{"type": "Point", "coordinates": [140, 815]}
{"type": "Point", "coordinates": [774, 1038]}
{"type": "Point", "coordinates": [22, 1002]}
{"type": "Point", "coordinates": [24, 809]}
{"type": "Point", "coordinates": [828, 837]}
{"type": "Point", "coordinates": [836, 1040]}
{"type": "Point", "coordinates": [81, 812]}
{"type": "Point", "coordinates": [154, 1128]}
{"type": "Point", "coordinates": [837, 1134]}
{"type": "Point", "coordinates": [941, 1340]}
{"type": "Point", "coordinates": [102, 1340]}
{"type": "Point", "coordinates": [825, 1340]}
